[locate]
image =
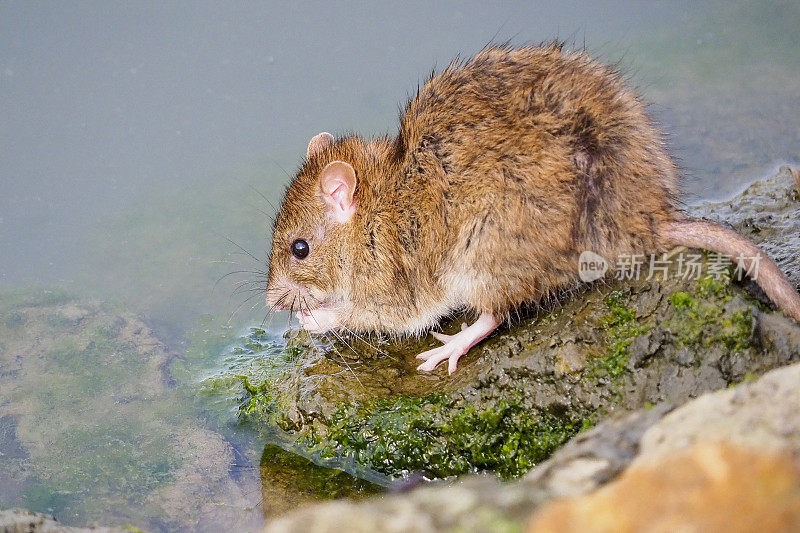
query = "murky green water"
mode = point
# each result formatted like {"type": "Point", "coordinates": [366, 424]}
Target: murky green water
{"type": "Point", "coordinates": [140, 149]}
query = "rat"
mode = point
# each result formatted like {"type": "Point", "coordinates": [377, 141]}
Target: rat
{"type": "Point", "coordinates": [505, 168]}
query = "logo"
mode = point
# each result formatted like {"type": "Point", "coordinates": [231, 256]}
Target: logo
{"type": "Point", "coordinates": [591, 266]}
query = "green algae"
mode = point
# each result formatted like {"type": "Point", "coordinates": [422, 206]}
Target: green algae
{"type": "Point", "coordinates": [441, 437]}
{"type": "Point", "coordinates": [451, 432]}
{"type": "Point", "coordinates": [701, 319]}
{"type": "Point", "coordinates": [434, 434]}
{"type": "Point", "coordinates": [243, 384]}
{"type": "Point", "coordinates": [715, 286]}
{"type": "Point", "coordinates": [62, 428]}
{"type": "Point", "coordinates": [399, 431]}
{"type": "Point", "coordinates": [248, 374]}
{"type": "Point", "coordinates": [621, 327]}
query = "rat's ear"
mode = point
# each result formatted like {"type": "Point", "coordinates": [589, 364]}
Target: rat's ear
{"type": "Point", "coordinates": [338, 185]}
{"type": "Point", "coordinates": [318, 143]}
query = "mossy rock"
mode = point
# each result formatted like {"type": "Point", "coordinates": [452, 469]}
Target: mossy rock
{"type": "Point", "coordinates": [439, 437]}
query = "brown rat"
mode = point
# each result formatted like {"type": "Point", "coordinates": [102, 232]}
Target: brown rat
{"type": "Point", "coordinates": [505, 168]}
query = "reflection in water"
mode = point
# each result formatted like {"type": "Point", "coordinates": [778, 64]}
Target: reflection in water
{"type": "Point", "coordinates": [288, 480]}
{"type": "Point", "coordinates": [132, 139]}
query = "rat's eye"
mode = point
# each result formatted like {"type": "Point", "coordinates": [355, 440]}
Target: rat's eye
{"type": "Point", "coordinates": [300, 249]}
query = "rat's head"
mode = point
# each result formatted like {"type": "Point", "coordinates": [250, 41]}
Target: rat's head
{"type": "Point", "coordinates": [314, 228]}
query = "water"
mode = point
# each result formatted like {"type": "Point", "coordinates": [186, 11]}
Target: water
{"type": "Point", "coordinates": [133, 137]}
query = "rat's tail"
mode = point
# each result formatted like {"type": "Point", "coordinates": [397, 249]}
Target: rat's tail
{"type": "Point", "coordinates": [711, 236]}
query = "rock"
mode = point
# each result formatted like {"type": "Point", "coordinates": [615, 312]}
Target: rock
{"type": "Point", "coordinates": [710, 486]}
{"type": "Point", "coordinates": [682, 475]}
{"type": "Point", "coordinates": [768, 213]}
{"type": "Point", "coordinates": [610, 447]}
{"type": "Point", "coordinates": [756, 424]}
{"type": "Point", "coordinates": [631, 345]}
{"type": "Point", "coordinates": [764, 415]}
{"type": "Point", "coordinates": [21, 521]}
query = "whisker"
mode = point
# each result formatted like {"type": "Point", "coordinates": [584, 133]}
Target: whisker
{"type": "Point", "coordinates": [252, 284]}
{"type": "Point", "coordinates": [258, 302]}
{"type": "Point", "coordinates": [248, 293]}
{"type": "Point", "coordinates": [214, 261]}
{"type": "Point", "coordinates": [289, 315]}
{"type": "Point", "coordinates": [365, 341]}
{"type": "Point", "coordinates": [242, 248]}
{"type": "Point", "coordinates": [333, 331]}
{"type": "Point", "coordinates": [273, 289]}
{"type": "Point", "coordinates": [253, 206]}
{"type": "Point", "coordinates": [275, 162]}
{"type": "Point", "coordinates": [245, 291]}
{"type": "Point", "coordinates": [343, 358]}
{"type": "Point", "coordinates": [278, 302]}
{"type": "Point", "coordinates": [259, 282]}
{"type": "Point", "coordinates": [264, 271]}
{"type": "Point", "coordinates": [272, 309]}
{"type": "Point", "coordinates": [274, 209]}
{"type": "Point", "coordinates": [230, 318]}
{"type": "Point", "coordinates": [232, 273]}
{"type": "Point", "coordinates": [373, 347]}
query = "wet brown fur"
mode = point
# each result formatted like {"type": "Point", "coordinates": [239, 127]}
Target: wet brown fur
{"type": "Point", "coordinates": [505, 168]}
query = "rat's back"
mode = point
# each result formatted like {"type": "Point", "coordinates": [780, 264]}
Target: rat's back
{"type": "Point", "coordinates": [541, 154]}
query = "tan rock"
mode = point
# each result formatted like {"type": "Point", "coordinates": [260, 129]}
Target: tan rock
{"type": "Point", "coordinates": [706, 487]}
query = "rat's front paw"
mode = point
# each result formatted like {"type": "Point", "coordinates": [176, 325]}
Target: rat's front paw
{"type": "Point", "coordinates": [317, 321]}
{"type": "Point", "coordinates": [457, 345]}
{"type": "Point", "coordinates": [451, 351]}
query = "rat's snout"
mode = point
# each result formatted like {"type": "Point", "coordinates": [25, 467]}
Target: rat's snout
{"type": "Point", "coordinates": [281, 300]}
{"type": "Point", "coordinates": [286, 295]}
{"type": "Point", "coordinates": [278, 296]}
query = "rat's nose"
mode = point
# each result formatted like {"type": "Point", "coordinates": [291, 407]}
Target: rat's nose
{"type": "Point", "coordinates": [278, 305]}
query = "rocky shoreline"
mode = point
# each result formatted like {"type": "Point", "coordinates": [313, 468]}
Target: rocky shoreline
{"type": "Point", "coordinates": [762, 417]}
{"type": "Point", "coordinates": [587, 399]}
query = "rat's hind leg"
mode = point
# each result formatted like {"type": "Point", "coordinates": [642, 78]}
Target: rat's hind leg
{"type": "Point", "coordinates": [457, 345]}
